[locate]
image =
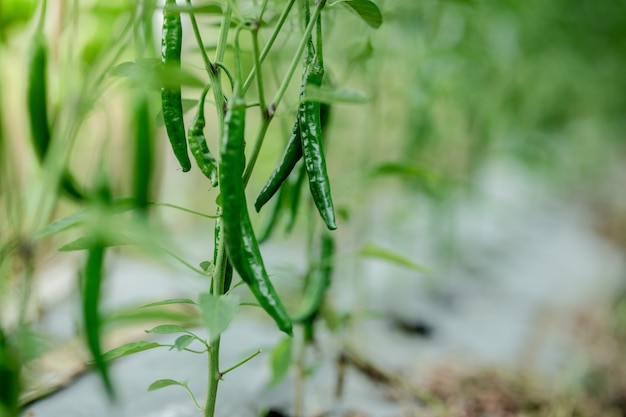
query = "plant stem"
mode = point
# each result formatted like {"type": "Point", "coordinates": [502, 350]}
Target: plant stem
{"type": "Point", "coordinates": [220, 263]}
{"type": "Point", "coordinates": [257, 64]}
{"type": "Point", "coordinates": [257, 148]}
{"type": "Point", "coordinates": [281, 92]}
{"type": "Point", "coordinates": [269, 44]}
{"type": "Point", "coordinates": [211, 69]}
{"type": "Point", "coordinates": [299, 52]}
{"type": "Point", "coordinates": [214, 353]}
{"type": "Point", "coordinates": [237, 365]}
{"type": "Point", "coordinates": [298, 400]}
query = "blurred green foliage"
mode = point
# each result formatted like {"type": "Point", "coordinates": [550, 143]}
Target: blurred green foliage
{"type": "Point", "coordinates": [540, 82]}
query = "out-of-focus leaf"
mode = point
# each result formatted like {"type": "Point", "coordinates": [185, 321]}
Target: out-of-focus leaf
{"type": "Point", "coordinates": [86, 242]}
{"type": "Point", "coordinates": [167, 329]}
{"type": "Point", "coordinates": [206, 8]}
{"type": "Point", "coordinates": [152, 72]}
{"type": "Point", "coordinates": [403, 170]}
{"type": "Point", "coordinates": [217, 312]}
{"type": "Point", "coordinates": [365, 9]}
{"type": "Point", "coordinates": [130, 348]}
{"type": "Point", "coordinates": [182, 342]}
{"type": "Point", "coordinates": [372, 251]}
{"type": "Point", "coordinates": [171, 301]}
{"type": "Point", "coordinates": [331, 95]}
{"type": "Point", "coordinates": [63, 224]}
{"type": "Point", "coordinates": [281, 359]}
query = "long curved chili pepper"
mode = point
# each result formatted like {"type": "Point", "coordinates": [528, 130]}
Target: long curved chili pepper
{"type": "Point", "coordinates": [311, 135]}
{"type": "Point", "coordinates": [319, 282]}
{"type": "Point", "coordinates": [37, 101]}
{"type": "Point", "coordinates": [171, 101]}
{"type": "Point", "coordinates": [241, 244]}
{"type": "Point", "coordinates": [144, 154]}
{"type": "Point", "coordinates": [37, 98]}
{"type": "Point", "coordinates": [198, 146]}
{"type": "Point", "coordinates": [291, 156]}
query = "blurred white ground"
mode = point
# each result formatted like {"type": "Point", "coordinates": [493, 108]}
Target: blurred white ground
{"type": "Point", "coordinates": [523, 267]}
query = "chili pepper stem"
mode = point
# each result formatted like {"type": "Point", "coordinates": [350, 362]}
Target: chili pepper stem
{"type": "Point", "coordinates": [269, 44]}
{"type": "Point", "coordinates": [214, 352]}
{"type": "Point", "coordinates": [281, 92]}
{"type": "Point", "coordinates": [298, 55]}
{"type": "Point", "coordinates": [258, 143]}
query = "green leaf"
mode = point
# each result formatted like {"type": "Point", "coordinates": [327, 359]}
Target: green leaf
{"type": "Point", "coordinates": [365, 9]}
{"type": "Point", "coordinates": [63, 224]}
{"type": "Point", "coordinates": [87, 242]}
{"type": "Point", "coordinates": [167, 329]}
{"type": "Point", "coordinates": [207, 8]}
{"type": "Point", "coordinates": [281, 359]}
{"type": "Point", "coordinates": [217, 312]}
{"type": "Point", "coordinates": [404, 170]}
{"type": "Point", "coordinates": [182, 342]}
{"type": "Point", "coordinates": [80, 217]}
{"type": "Point", "coordinates": [205, 265]}
{"type": "Point", "coordinates": [136, 69]}
{"type": "Point", "coordinates": [130, 348]}
{"type": "Point", "coordinates": [151, 72]}
{"type": "Point", "coordinates": [331, 95]}
{"type": "Point", "coordinates": [162, 383]}
{"type": "Point", "coordinates": [170, 301]}
{"type": "Point", "coordinates": [372, 251]}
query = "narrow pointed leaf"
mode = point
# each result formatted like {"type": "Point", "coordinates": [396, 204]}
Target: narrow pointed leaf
{"type": "Point", "coordinates": [217, 312]}
{"type": "Point", "coordinates": [183, 341]}
{"type": "Point", "coordinates": [373, 251]}
{"type": "Point", "coordinates": [332, 95]}
{"type": "Point", "coordinates": [129, 349]}
{"type": "Point", "coordinates": [366, 10]}
{"type": "Point", "coordinates": [281, 359]}
{"type": "Point", "coordinates": [167, 329]}
{"type": "Point", "coordinates": [171, 301]}
{"type": "Point", "coordinates": [162, 383]}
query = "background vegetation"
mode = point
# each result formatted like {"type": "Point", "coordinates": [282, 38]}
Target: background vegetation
{"type": "Point", "coordinates": [453, 89]}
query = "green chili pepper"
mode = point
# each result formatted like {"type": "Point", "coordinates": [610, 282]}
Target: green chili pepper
{"type": "Point", "coordinates": [10, 377]}
{"type": "Point", "coordinates": [241, 244]}
{"type": "Point", "coordinates": [143, 154]}
{"type": "Point", "coordinates": [311, 135]}
{"type": "Point", "coordinates": [291, 156]}
{"type": "Point", "coordinates": [171, 101]}
{"type": "Point", "coordinates": [37, 100]}
{"type": "Point", "coordinates": [198, 146]}
{"type": "Point", "coordinates": [318, 283]}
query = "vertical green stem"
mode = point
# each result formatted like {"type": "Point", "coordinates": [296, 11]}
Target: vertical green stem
{"type": "Point", "coordinates": [220, 264]}
{"type": "Point", "coordinates": [212, 71]}
{"type": "Point", "coordinates": [270, 43]}
{"type": "Point", "coordinates": [257, 65]}
{"type": "Point", "coordinates": [214, 352]}
{"type": "Point", "coordinates": [296, 59]}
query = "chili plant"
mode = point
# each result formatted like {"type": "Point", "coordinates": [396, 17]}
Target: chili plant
{"type": "Point", "coordinates": [227, 168]}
